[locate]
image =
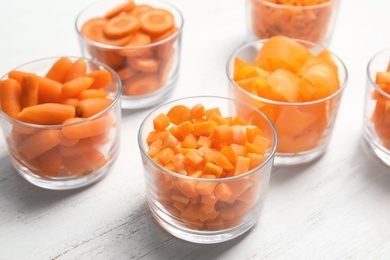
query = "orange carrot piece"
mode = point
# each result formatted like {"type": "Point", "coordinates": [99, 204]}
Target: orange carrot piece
{"type": "Point", "coordinates": [70, 101]}
{"type": "Point", "coordinates": [83, 146]}
{"type": "Point", "coordinates": [50, 163]}
{"type": "Point", "coordinates": [78, 69]}
{"type": "Point", "coordinates": [59, 70]}
{"type": "Point", "coordinates": [140, 8]}
{"type": "Point", "coordinates": [145, 65]}
{"type": "Point", "coordinates": [242, 165]}
{"type": "Point", "coordinates": [197, 112]}
{"type": "Point", "coordinates": [141, 84]}
{"type": "Point", "coordinates": [223, 192]}
{"type": "Point", "coordinates": [125, 7]}
{"type": "Point", "coordinates": [101, 78]}
{"type": "Point", "coordinates": [126, 72]}
{"type": "Point", "coordinates": [93, 93]}
{"type": "Point", "coordinates": [88, 128]}
{"type": "Point", "coordinates": [206, 188]}
{"type": "Point", "coordinates": [187, 188]}
{"type": "Point", "coordinates": [185, 128]}
{"type": "Point", "coordinates": [10, 91]}
{"type": "Point", "coordinates": [47, 114]}
{"type": "Point", "coordinates": [88, 107]}
{"type": "Point", "coordinates": [179, 114]}
{"type": "Point", "coordinates": [222, 135]}
{"type": "Point", "coordinates": [39, 143]}
{"type": "Point", "coordinates": [212, 169]}
{"type": "Point", "coordinates": [29, 91]}
{"type": "Point", "coordinates": [121, 26]}
{"type": "Point", "coordinates": [93, 28]}
{"type": "Point", "coordinates": [139, 40]}
{"type": "Point", "coordinates": [156, 21]}
{"type": "Point", "coordinates": [73, 88]}
{"type": "Point", "coordinates": [192, 158]}
{"type": "Point", "coordinates": [204, 128]}
{"type": "Point", "coordinates": [161, 122]}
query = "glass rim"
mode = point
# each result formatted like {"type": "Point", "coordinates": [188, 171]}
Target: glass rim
{"type": "Point", "coordinates": [113, 47]}
{"type": "Point", "coordinates": [372, 82]}
{"type": "Point", "coordinates": [304, 7]}
{"type": "Point", "coordinates": [189, 178]}
{"type": "Point", "coordinates": [274, 102]}
{"type": "Point", "coordinates": [99, 114]}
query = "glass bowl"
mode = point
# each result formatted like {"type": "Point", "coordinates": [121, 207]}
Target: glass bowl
{"type": "Point", "coordinates": [304, 128]}
{"type": "Point", "coordinates": [201, 207]}
{"type": "Point", "coordinates": [63, 156]}
{"type": "Point", "coordinates": [313, 23]}
{"type": "Point", "coordinates": [148, 67]}
{"type": "Point", "coordinates": [376, 127]}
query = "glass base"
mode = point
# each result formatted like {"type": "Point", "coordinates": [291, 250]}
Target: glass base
{"type": "Point", "coordinates": [197, 236]}
{"type": "Point", "coordinates": [148, 100]}
{"type": "Point", "coordinates": [289, 159]}
{"type": "Point", "coordinates": [60, 183]}
{"type": "Point", "coordinates": [376, 148]}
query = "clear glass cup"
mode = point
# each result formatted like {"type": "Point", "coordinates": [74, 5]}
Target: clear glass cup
{"type": "Point", "coordinates": [65, 162]}
{"type": "Point", "coordinates": [304, 129]}
{"type": "Point", "coordinates": [143, 86]}
{"type": "Point", "coordinates": [178, 202]}
{"type": "Point", "coordinates": [313, 23]}
{"type": "Point", "coordinates": [376, 127]}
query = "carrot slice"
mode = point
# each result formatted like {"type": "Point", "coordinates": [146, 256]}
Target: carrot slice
{"type": "Point", "coordinates": [144, 65]}
{"type": "Point", "coordinates": [121, 26]}
{"type": "Point", "coordinates": [10, 91]}
{"type": "Point", "coordinates": [141, 8]}
{"type": "Point", "coordinates": [156, 21]}
{"type": "Point", "coordinates": [138, 39]}
{"type": "Point", "coordinates": [141, 84]}
{"type": "Point", "coordinates": [47, 114]}
{"type": "Point", "coordinates": [29, 91]}
{"type": "Point", "coordinates": [126, 72]}
{"type": "Point", "coordinates": [125, 7]}
{"type": "Point", "coordinates": [59, 69]}
{"type": "Point", "coordinates": [101, 37]}
{"type": "Point", "coordinates": [93, 28]}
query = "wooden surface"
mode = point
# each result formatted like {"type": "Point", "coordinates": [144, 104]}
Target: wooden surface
{"type": "Point", "coordinates": [337, 207]}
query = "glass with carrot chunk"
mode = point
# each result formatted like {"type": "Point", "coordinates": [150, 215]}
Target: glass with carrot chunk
{"type": "Point", "coordinates": [309, 20]}
{"type": "Point", "coordinates": [298, 85]}
{"type": "Point", "coordinates": [140, 40]}
{"type": "Point", "coordinates": [60, 118]}
{"type": "Point", "coordinates": [207, 163]}
{"type": "Point", "coordinates": [376, 128]}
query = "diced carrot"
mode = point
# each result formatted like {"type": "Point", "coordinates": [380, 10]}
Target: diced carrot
{"type": "Point", "coordinates": [190, 141]}
{"type": "Point", "coordinates": [192, 158]}
{"type": "Point", "coordinates": [242, 165]}
{"type": "Point", "coordinates": [59, 70]}
{"type": "Point", "coordinates": [212, 169]}
{"type": "Point", "coordinates": [10, 91]}
{"type": "Point", "coordinates": [204, 128]}
{"type": "Point", "coordinates": [223, 192]}
{"type": "Point", "coordinates": [161, 122]}
{"type": "Point", "coordinates": [222, 135]}
{"type": "Point", "coordinates": [179, 114]}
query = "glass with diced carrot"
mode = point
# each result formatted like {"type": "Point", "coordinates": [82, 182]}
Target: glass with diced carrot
{"type": "Point", "coordinates": [376, 127]}
{"type": "Point", "coordinates": [60, 117]}
{"type": "Point", "coordinates": [140, 40]}
{"type": "Point", "coordinates": [298, 85]}
{"type": "Point", "coordinates": [207, 163]}
{"type": "Point", "coordinates": [309, 20]}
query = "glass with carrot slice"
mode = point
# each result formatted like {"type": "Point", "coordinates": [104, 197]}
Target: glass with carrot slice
{"type": "Point", "coordinates": [310, 20]}
{"type": "Point", "coordinates": [376, 127]}
{"type": "Point", "coordinates": [298, 85]}
{"type": "Point", "coordinates": [207, 163]}
{"type": "Point", "coordinates": [140, 40]}
{"type": "Point", "coordinates": [60, 118]}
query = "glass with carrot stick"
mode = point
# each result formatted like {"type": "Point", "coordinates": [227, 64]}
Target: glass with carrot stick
{"type": "Point", "coordinates": [310, 20]}
{"type": "Point", "coordinates": [61, 117]}
{"type": "Point", "coordinates": [140, 40]}
{"type": "Point", "coordinates": [207, 163]}
{"type": "Point", "coordinates": [376, 127]}
{"type": "Point", "coordinates": [298, 85]}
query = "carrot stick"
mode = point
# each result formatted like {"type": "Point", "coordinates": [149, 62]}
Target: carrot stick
{"type": "Point", "coordinates": [39, 143]}
{"type": "Point", "coordinates": [47, 114]}
{"type": "Point", "coordinates": [10, 97]}
{"type": "Point", "coordinates": [88, 128]}
{"type": "Point", "coordinates": [59, 70]}
{"type": "Point", "coordinates": [101, 78]}
{"type": "Point", "coordinates": [78, 69]}
{"type": "Point", "coordinates": [91, 106]}
{"type": "Point", "coordinates": [93, 93]}
{"type": "Point", "coordinates": [29, 91]}
{"type": "Point", "coordinates": [73, 88]}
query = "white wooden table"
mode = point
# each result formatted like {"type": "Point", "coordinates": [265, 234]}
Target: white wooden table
{"type": "Point", "coordinates": [337, 207]}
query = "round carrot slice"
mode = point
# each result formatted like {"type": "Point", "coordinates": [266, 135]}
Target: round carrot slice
{"type": "Point", "coordinates": [121, 26]}
{"type": "Point", "coordinates": [138, 39]}
{"type": "Point", "coordinates": [144, 65]}
{"type": "Point", "coordinates": [157, 21]}
{"type": "Point", "coordinates": [141, 85]}
{"type": "Point", "coordinates": [139, 9]}
{"type": "Point", "coordinates": [102, 38]}
{"type": "Point", "coordinates": [93, 28]}
{"type": "Point", "coordinates": [122, 8]}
